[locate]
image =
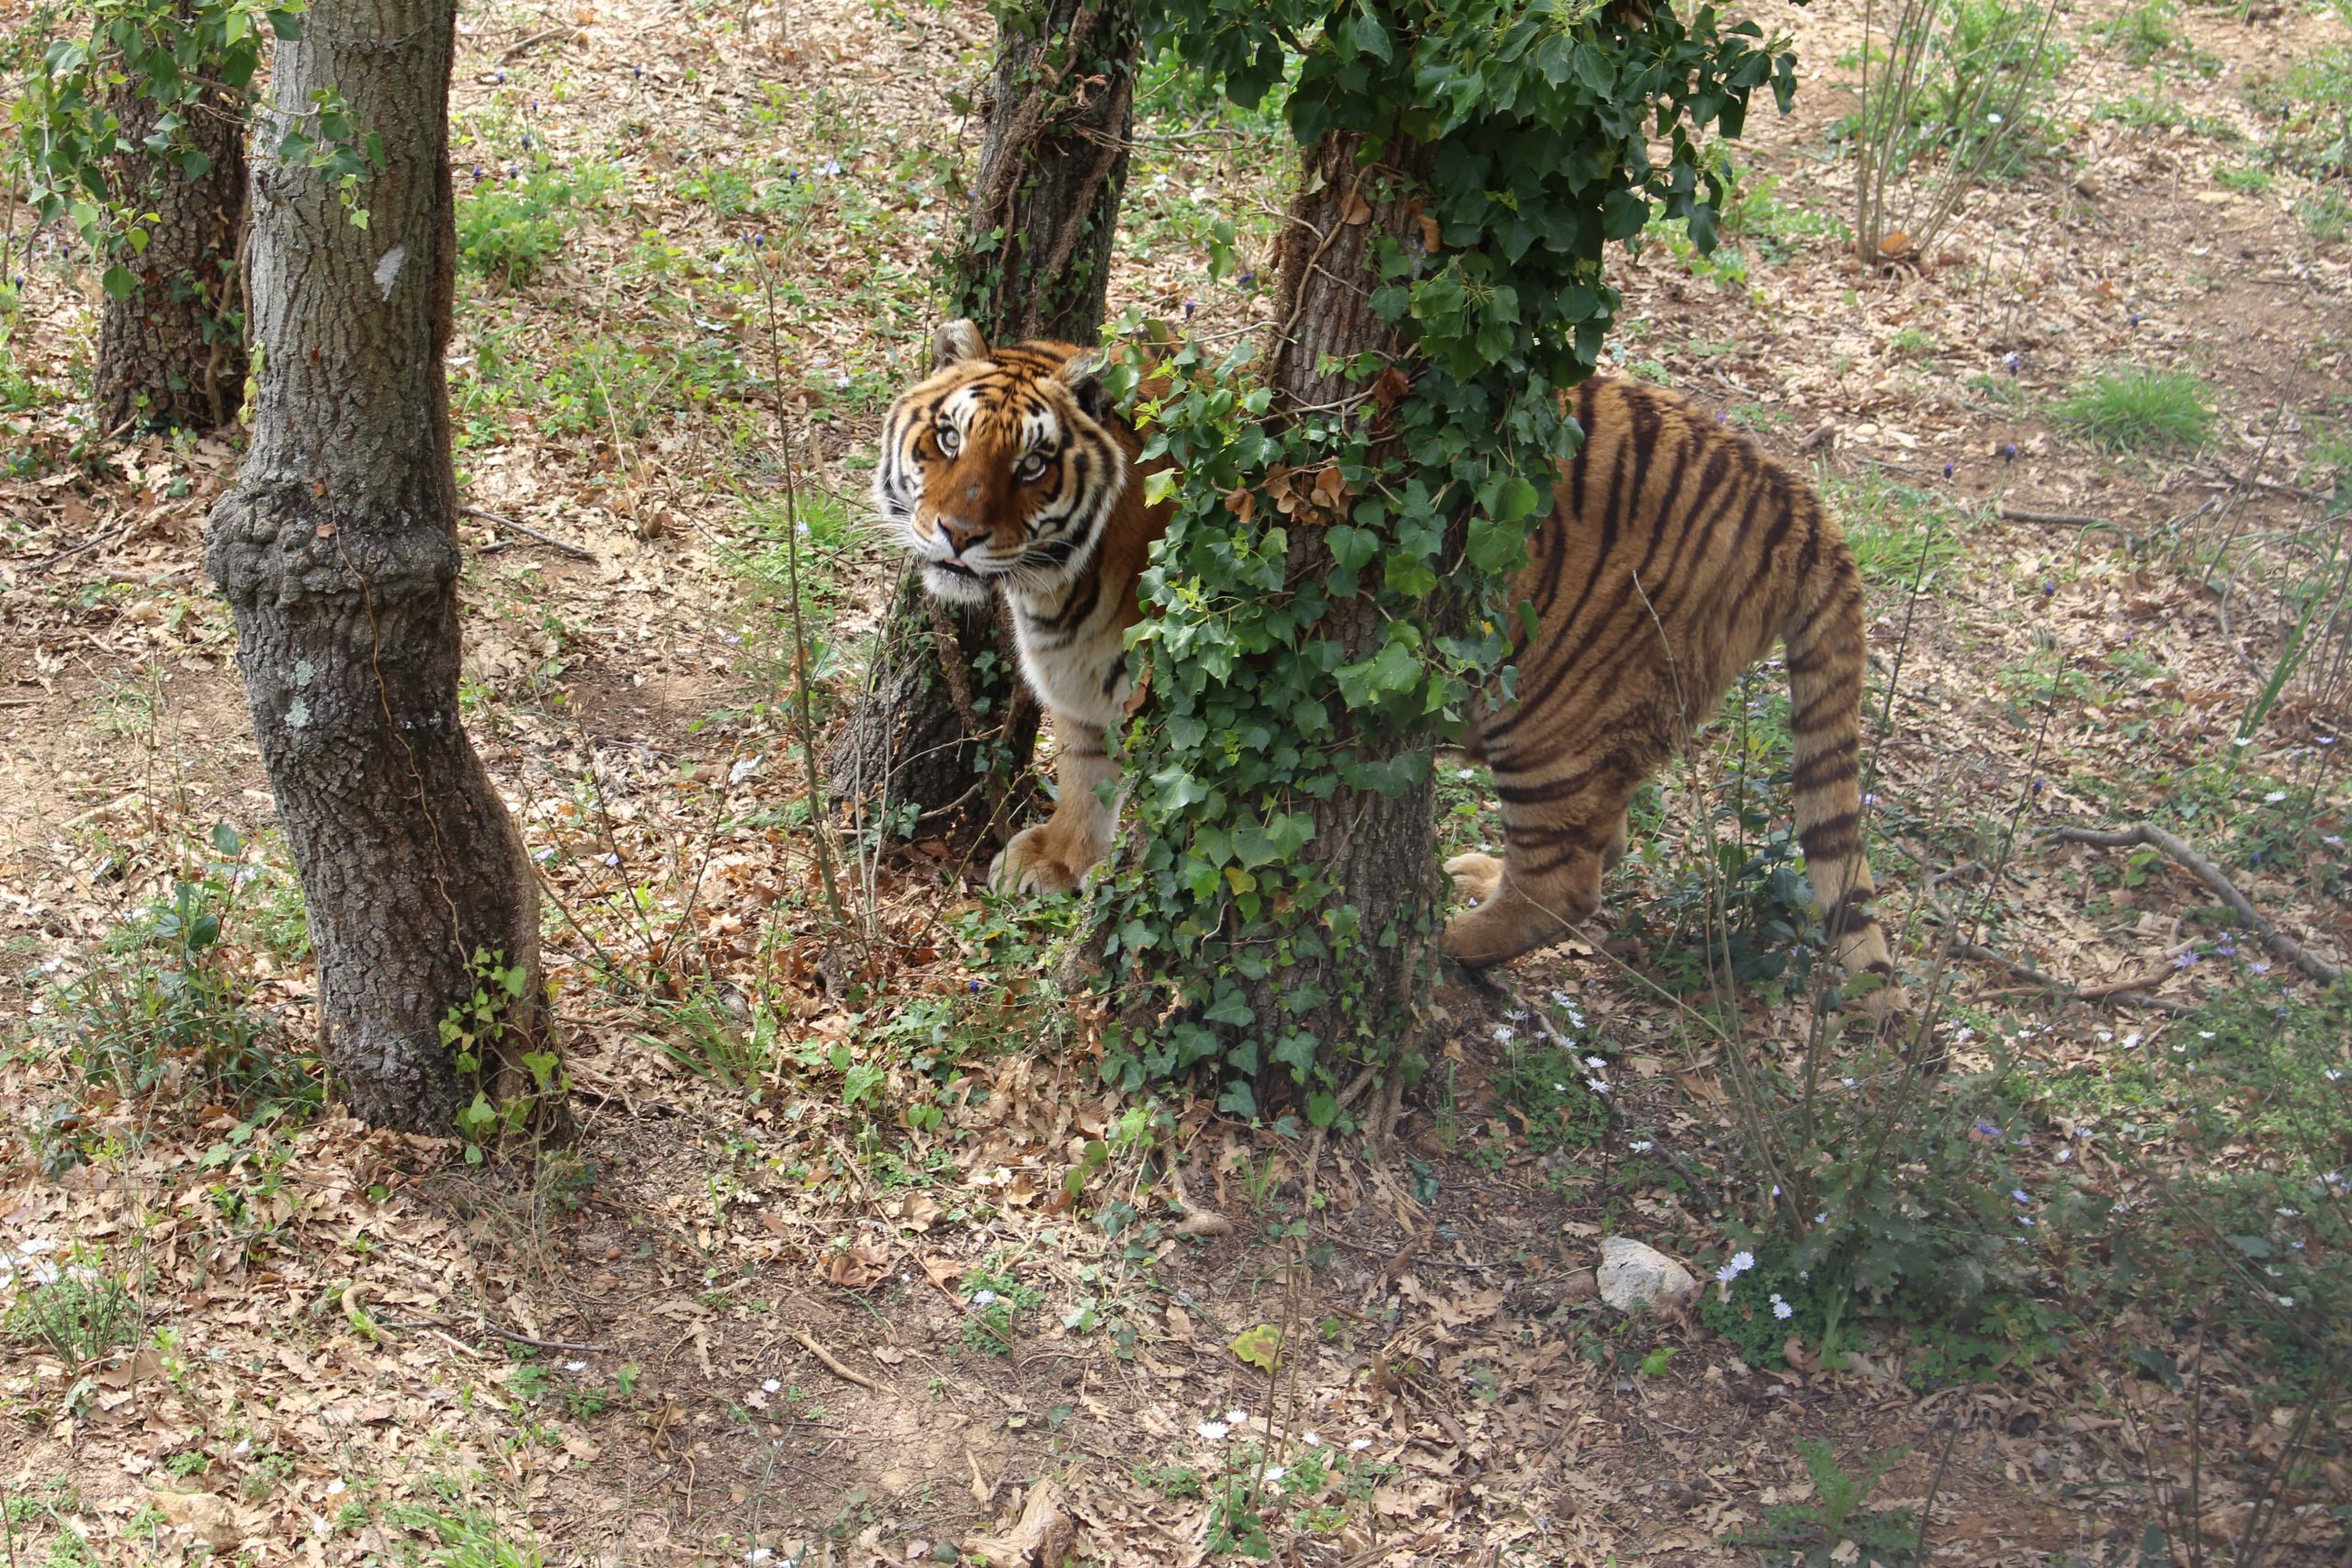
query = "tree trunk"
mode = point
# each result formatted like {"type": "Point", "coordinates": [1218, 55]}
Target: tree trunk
{"type": "Point", "coordinates": [172, 351]}
{"type": "Point", "coordinates": [338, 553]}
{"type": "Point", "coordinates": [1379, 851]}
{"type": "Point", "coordinates": [1034, 263]}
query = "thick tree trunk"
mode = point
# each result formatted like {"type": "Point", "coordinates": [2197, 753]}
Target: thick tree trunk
{"type": "Point", "coordinates": [338, 553]}
{"type": "Point", "coordinates": [1380, 853]}
{"type": "Point", "coordinates": [1034, 263]}
{"type": "Point", "coordinates": [172, 351]}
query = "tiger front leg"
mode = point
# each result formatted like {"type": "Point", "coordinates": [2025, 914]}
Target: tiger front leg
{"type": "Point", "coordinates": [1055, 856]}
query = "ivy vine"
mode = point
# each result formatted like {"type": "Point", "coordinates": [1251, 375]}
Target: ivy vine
{"type": "Point", "coordinates": [1530, 125]}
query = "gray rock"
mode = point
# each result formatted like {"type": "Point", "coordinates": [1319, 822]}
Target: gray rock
{"type": "Point", "coordinates": [1633, 1274]}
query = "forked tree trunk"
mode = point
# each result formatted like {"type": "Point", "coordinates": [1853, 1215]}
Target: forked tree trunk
{"type": "Point", "coordinates": [172, 351]}
{"type": "Point", "coordinates": [1379, 851]}
{"type": "Point", "coordinates": [1034, 263]}
{"type": "Point", "coordinates": [339, 556]}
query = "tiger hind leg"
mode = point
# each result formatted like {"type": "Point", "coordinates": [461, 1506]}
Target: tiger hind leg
{"type": "Point", "coordinates": [1547, 882]}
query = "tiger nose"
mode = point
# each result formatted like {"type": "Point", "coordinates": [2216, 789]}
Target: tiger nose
{"type": "Point", "coordinates": [960, 535]}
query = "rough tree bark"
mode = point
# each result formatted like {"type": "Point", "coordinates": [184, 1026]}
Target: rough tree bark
{"type": "Point", "coordinates": [338, 553]}
{"type": "Point", "coordinates": [172, 351]}
{"type": "Point", "coordinates": [1380, 851]}
{"type": "Point", "coordinates": [946, 710]}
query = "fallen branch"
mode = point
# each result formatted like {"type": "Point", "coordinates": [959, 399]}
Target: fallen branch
{"type": "Point", "coordinates": [2222, 887]}
{"type": "Point", "coordinates": [560, 546]}
{"type": "Point", "coordinates": [522, 47]}
{"type": "Point", "coordinates": [833, 1364]}
{"type": "Point", "coordinates": [2138, 990]}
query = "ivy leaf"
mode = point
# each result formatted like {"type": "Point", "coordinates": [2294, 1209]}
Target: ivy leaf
{"type": "Point", "coordinates": [1260, 1347]}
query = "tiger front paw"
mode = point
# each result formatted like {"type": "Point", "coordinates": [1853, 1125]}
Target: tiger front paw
{"type": "Point", "coordinates": [1029, 863]}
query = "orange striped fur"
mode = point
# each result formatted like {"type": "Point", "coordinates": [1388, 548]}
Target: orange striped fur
{"type": "Point", "coordinates": [1677, 555]}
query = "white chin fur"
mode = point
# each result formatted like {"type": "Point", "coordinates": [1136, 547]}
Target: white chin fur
{"type": "Point", "coordinates": [955, 585]}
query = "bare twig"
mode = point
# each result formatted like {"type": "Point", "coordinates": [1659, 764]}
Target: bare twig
{"type": "Point", "coordinates": [521, 47]}
{"type": "Point", "coordinates": [2222, 887]}
{"type": "Point", "coordinates": [559, 546]}
{"type": "Point", "coordinates": [833, 1364]}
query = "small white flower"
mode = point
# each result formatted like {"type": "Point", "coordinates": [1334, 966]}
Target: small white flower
{"type": "Point", "coordinates": [1236, 1417]}
{"type": "Point", "coordinates": [1782, 1310]}
{"type": "Point", "coordinates": [1642, 1145]}
{"type": "Point", "coordinates": [983, 1298]}
{"type": "Point", "coordinates": [771, 1386]}
{"type": "Point", "coordinates": [758, 1555]}
{"type": "Point", "coordinates": [2290, 1213]}
{"type": "Point", "coordinates": [1597, 1063]}
{"type": "Point", "coordinates": [1213, 1431]}
{"type": "Point", "coordinates": [575, 1366]}
{"type": "Point", "coordinates": [1848, 1082]}
{"type": "Point", "coordinates": [1310, 1439]}
{"type": "Point", "coordinates": [1469, 773]}
{"type": "Point", "coordinates": [1596, 1086]}
{"type": "Point", "coordinates": [2242, 741]}
{"type": "Point", "coordinates": [2285, 1301]}
{"type": "Point", "coordinates": [2274, 797]}
{"type": "Point", "coordinates": [335, 1488]}
{"type": "Point", "coordinates": [1991, 119]}
{"type": "Point", "coordinates": [1274, 1472]}
{"type": "Point", "coordinates": [1359, 1444]}
{"type": "Point", "coordinates": [1503, 1033]}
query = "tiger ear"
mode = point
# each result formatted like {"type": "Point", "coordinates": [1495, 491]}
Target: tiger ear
{"type": "Point", "coordinates": [1082, 374]}
{"type": "Point", "coordinates": [956, 342]}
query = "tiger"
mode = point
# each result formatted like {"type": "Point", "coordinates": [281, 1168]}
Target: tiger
{"type": "Point", "coordinates": [1676, 554]}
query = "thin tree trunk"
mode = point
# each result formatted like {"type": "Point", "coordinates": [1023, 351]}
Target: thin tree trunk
{"type": "Point", "coordinates": [1034, 263]}
{"type": "Point", "coordinates": [1379, 851]}
{"type": "Point", "coordinates": [338, 553]}
{"type": "Point", "coordinates": [172, 351]}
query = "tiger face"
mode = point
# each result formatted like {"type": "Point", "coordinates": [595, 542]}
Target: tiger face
{"type": "Point", "coordinates": [999, 469]}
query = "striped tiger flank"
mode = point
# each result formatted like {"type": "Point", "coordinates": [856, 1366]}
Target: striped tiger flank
{"type": "Point", "coordinates": [1677, 554]}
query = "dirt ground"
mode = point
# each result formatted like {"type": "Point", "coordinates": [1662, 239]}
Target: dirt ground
{"type": "Point", "coordinates": [744, 1323]}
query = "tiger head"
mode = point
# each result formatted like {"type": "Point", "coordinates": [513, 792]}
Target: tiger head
{"type": "Point", "coordinates": [1004, 468]}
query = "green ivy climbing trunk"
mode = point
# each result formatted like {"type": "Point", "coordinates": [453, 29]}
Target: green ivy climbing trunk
{"type": "Point", "coordinates": [1378, 851]}
{"type": "Point", "coordinates": [172, 346]}
{"type": "Point", "coordinates": [946, 713]}
{"type": "Point", "coordinates": [339, 556]}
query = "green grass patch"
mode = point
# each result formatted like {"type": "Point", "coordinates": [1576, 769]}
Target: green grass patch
{"type": "Point", "coordinates": [2136, 409]}
{"type": "Point", "coordinates": [1900, 534]}
{"type": "Point", "coordinates": [512, 228]}
{"type": "Point", "coordinates": [2246, 179]}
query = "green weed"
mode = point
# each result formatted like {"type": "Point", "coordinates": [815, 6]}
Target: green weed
{"type": "Point", "coordinates": [76, 1309]}
{"type": "Point", "coordinates": [467, 1539]}
{"type": "Point", "coordinates": [2133, 408]}
{"type": "Point", "coordinates": [512, 229]}
{"type": "Point", "coordinates": [1899, 534]}
{"type": "Point", "coordinates": [2246, 179]}
{"type": "Point", "coordinates": [2140, 31]}
{"type": "Point", "coordinates": [2327, 217]}
{"type": "Point", "coordinates": [1835, 1528]}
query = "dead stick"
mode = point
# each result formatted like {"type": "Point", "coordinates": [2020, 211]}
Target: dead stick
{"type": "Point", "coordinates": [832, 1364]}
{"type": "Point", "coordinates": [549, 540]}
{"type": "Point", "coordinates": [2206, 872]}
{"type": "Point", "coordinates": [522, 47]}
{"type": "Point", "coordinates": [2138, 990]}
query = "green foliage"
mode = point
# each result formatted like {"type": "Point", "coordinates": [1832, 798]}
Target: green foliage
{"type": "Point", "coordinates": [2247, 179]}
{"type": "Point", "coordinates": [1536, 123]}
{"type": "Point", "coordinates": [467, 1539]}
{"type": "Point", "coordinates": [77, 164]}
{"type": "Point", "coordinates": [1835, 1528]}
{"type": "Point", "coordinates": [2134, 408]}
{"type": "Point", "coordinates": [164, 1006]}
{"type": "Point", "coordinates": [997, 1298]}
{"type": "Point", "coordinates": [77, 1310]}
{"type": "Point", "coordinates": [1900, 534]}
{"type": "Point", "coordinates": [481, 1041]}
{"type": "Point", "coordinates": [2311, 102]}
{"type": "Point", "coordinates": [512, 229]}
{"type": "Point", "coordinates": [2140, 31]}
{"type": "Point", "coordinates": [1552, 1089]}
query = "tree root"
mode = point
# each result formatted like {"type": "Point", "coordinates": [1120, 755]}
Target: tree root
{"type": "Point", "coordinates": [2222, 887]}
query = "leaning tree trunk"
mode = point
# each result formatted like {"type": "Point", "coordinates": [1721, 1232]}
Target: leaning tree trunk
{"type": "Point", "coordinates": [171, 350]}
{"type": "Point", "coordinates": [946, 711]}
{"type": "Point", "coordinates": [1379, 851]}
{"type": "Point", "coordinates": [338, 553]}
